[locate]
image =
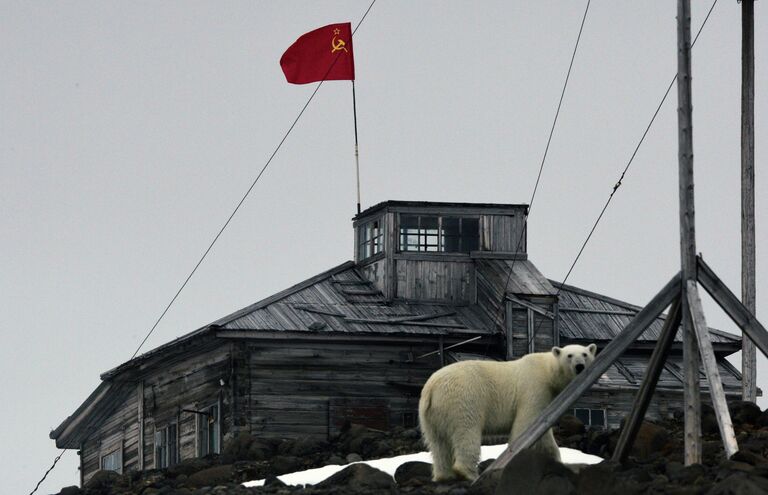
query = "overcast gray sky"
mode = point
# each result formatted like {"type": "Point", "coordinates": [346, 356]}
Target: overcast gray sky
{"type": "Point", "coordinates": [129, 131]}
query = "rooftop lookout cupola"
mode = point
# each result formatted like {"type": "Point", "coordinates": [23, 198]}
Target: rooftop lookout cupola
{"type": "Point", "coordinates": [417, 250]}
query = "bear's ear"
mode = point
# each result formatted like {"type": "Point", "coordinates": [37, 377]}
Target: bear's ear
{"type": "Point", "coordinates": [556, 351]}
{"type": "Point", "coordinates": [592, 349]}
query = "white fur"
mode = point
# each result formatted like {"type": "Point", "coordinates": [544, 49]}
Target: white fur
{"type": "Point", "coordinates": [462, 401]}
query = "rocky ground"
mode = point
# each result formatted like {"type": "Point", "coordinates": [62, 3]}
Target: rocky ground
{"type": "Point", "coordinates": [655, 465]}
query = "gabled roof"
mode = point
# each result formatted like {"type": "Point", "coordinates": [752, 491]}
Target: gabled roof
{"type": "Point", "coordinates": [585, 315]}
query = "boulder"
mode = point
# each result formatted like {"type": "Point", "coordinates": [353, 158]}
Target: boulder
{"type": "Point", "coordinates": [534, 472]}
{"type": "Point", "coordinates": [413, 473]}
{"type": "Point", "coordinates": [569, 425]}
{"type": "Point", "coordinates": [102, 482]}
{"type": "Point", "coordinates": [187, 467]}
{"type": "Point", "coordinates": [212, 476]}
{"type": "Point", "coordinates": [740, 484]}
{"type": "Point", "coordinates": [282, 464]}
{"type": "Point", "coordinates": [70, 490]}
{"type": "Point", "coordinates": [359, 478]}
{"type": "Point", "coordinates": [744, 412]}
{"type": "Point", "coordinates": [649, 441]}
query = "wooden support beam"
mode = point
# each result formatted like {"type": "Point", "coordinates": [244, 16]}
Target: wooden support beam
{"type": "Point", "coordinates": [584, 381]}
{"type": "Point", "coordinates": [716, 393]}
{"type": "Point", "coordinates": [732, 306]}
{"type": "Point", "coordinates": [645, 394]}
{"type": "Point", "coordinates": [509, 331]}
{"type": "Point", "coordinates": [748, 355]}
{"type": "Point", "coordinates": [691, 393]}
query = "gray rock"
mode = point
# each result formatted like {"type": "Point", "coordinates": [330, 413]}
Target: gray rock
{"type": "Point", "coordinates": [353, 458]}
{"type": "Point", "coordinates": [359, 477]}
{"type": "Point", "coordinates": [212, 476]}
{"type": "Point", "coordinates": [282, 464]}
{"type": "Point", "coordinates": [744, 412]}
{"type": "Point", "coordinates": [739, 484]}
{"type": "Point", "coordinates": [413, 473]}
{"type": "Point", "coordinates": [70, 490]}
{"type": "Point", "coordinates": [533, 472]}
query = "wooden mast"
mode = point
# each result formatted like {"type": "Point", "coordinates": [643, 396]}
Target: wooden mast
{"type": "Point", "coordinates": [691, 393]}
{"type": "Point", "coordinates": [748, 355]}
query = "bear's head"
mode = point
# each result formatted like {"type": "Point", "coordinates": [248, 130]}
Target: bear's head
{"type": "Point", "coordinates": [575, 358]}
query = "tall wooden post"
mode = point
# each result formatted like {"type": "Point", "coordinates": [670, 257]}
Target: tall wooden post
{"type": "Point", "coordinates": [748, 355]}
{"type": "Point", "coordinates": [691, 393]}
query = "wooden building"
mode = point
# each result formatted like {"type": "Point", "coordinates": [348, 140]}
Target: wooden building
{"type": "Point", "coordinates": [430, 283]}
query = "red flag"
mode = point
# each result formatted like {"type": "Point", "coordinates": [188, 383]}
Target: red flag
{"type": "Point", "coordinates": [324, 54]}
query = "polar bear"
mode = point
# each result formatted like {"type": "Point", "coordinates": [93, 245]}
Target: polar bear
{"type": "Point", "coordinates": [462, 401]}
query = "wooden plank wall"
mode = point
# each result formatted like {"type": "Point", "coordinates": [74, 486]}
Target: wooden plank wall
{"type": "Point", "coordinates": [193, 384]}
{"type": "Point", "coordinates": [190, 383]}
{"type": "Point", "coordinates": [525, 321]}
{"type": "Point", "coordinates": [428, 280]}
{"type": "Point", "coordinates": [502, 233]}
{"type": "Point", "coordinates": [118, 431]}
{"type": "Point", "coordinates": [292, 384]}
{"type": "Point", "coordinates": [618, 403]}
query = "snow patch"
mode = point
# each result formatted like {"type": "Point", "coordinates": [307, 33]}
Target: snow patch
{"type": "Point", "coordinates": [390, 465]}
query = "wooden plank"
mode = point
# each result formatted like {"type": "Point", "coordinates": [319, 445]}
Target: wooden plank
{"type": "Point", "coordinates": [509, 328]}
{"type": "Point", "coordinates": [140, 400]}
{"type": "Point", "coordinates": [645, 394]}
{"type": "Point", "coordinates": [711, 370]}
{"type": "Point", "coordinates": [497, 255]}
{"type": "Point", "coordinates": [691, 395]}
{"type": "Point", "coordinates": [748, 355]}
{"type": "Point", "coordinates": [732, 306]}
{"type": "Point", "coordinates": [571, 309]}
{"type": "Point", "coordinates": [584, 381]}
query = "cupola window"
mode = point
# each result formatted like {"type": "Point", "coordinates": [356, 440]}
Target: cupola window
{"type": "Point", "coordinates": [432, 234]}
{"type": "Point", "coordinates": [371, 239]}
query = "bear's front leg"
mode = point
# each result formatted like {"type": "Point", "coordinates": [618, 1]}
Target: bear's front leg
{"type": "Point", "coordinates": [546, 444]}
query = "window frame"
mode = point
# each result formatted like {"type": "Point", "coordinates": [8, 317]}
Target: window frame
{"type": "Point", "coordinates": [167, 454]}
{"type": "Point", "coordinates": [370, 239]}
{"type": "Point", "coordinates": [117, 452]}
{"type": "Point", "coordinates": [590, 412]}
{"type": "Point", "coordinates": [466, 238]}
{"type": "Point", "coordinates": [204, 434]}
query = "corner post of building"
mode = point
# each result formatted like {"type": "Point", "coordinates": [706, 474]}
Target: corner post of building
{"type": "Point", "coordinates": [691, 392]}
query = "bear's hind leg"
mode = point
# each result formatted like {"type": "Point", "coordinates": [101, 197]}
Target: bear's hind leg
{"type": "Point", "coordinates": [442, 459]}
{"type": "Point", "coordinates": [466, 451]}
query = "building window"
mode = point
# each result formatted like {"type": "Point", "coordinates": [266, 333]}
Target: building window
{"type": "Point", "coordinates": [371, 239]}
{"type": "Point", "coordinates": [113, 461]}
{"type": "Point", "coordinates": [592, 418]}
{"type": "Point", "coordinates": [432, 234]}
{"type": "Point", "coordinates": [208, 425]}
{"type": "Point", "coordinates": [166, 446]}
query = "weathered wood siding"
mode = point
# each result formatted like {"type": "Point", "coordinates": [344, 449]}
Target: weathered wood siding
{"type": "Point", "coordinates": [450, 281]}
{"type": "Point", "coordinates": [293, 385]}
{"type": "Point", "coordinates": [618, 403]}
{"type": "Point", "coordinates": [530, 331]}
{"type": "Point", "coordinates": [192, 382]}
{"type": "Point", "coordinates": [119, 431]}
{"type": "Point", "coordinates": [503, 233]}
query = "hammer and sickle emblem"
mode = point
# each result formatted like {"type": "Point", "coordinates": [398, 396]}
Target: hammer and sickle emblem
{"type": "Point", "coordinates": [338, 45]}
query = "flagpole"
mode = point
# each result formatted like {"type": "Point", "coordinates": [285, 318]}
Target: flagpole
{"type": "Point", "coordinates": [357, 156]}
